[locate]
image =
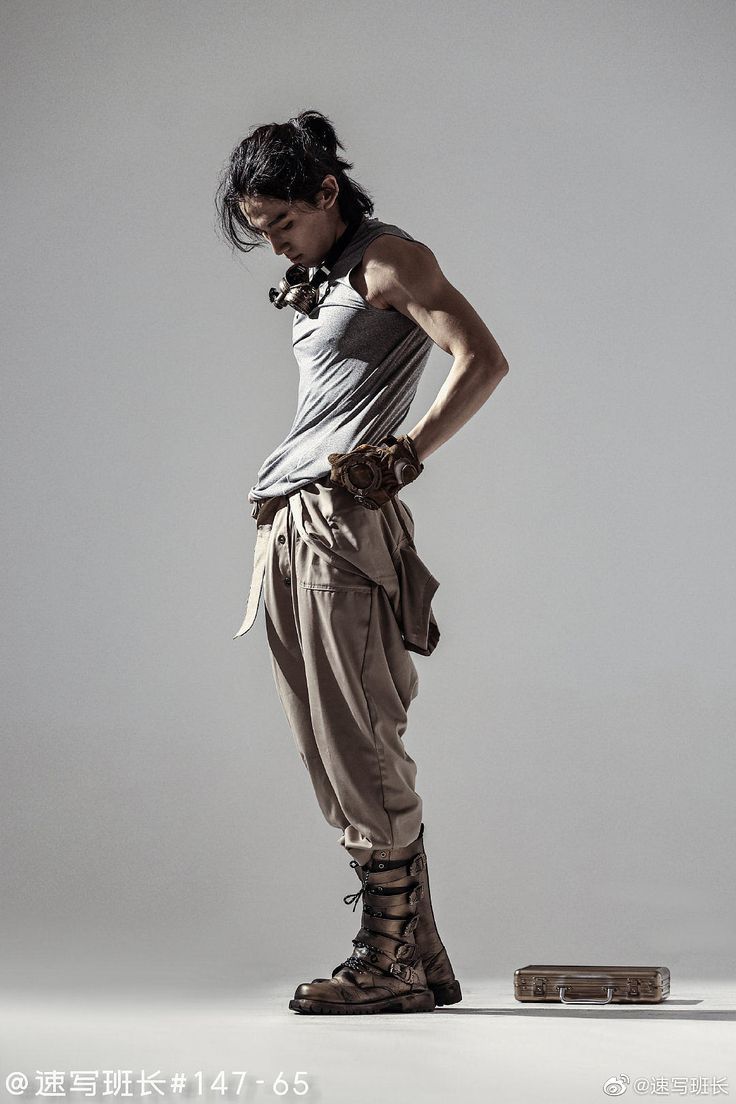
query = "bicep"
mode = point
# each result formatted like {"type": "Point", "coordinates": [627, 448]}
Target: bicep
{"type": "Point", "coordinates": [415, 285]}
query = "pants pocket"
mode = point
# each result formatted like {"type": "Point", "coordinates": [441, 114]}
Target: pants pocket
{"type": "Point", "coordinates": [343, 545]}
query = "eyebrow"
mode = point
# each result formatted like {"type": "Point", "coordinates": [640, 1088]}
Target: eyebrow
{"type": "Point", "coordinates": [278, 218]}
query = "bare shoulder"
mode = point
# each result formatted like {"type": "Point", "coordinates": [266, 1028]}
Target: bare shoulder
{"type": "Point", "coordinates": [391, 251]}
{"type": "Point", "coordinates": [407, 277]}
{"type": "Point", "coordinates": [390, 260]}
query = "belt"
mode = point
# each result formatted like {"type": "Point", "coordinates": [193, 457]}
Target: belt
{"type": "Point", "coordinates": [265, 508]}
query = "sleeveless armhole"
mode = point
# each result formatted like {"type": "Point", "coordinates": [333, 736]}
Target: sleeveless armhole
{"type": "Point", "coordinates": [394, 232]}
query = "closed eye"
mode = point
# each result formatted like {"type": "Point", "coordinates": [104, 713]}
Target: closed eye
{"type": "Point", "coordinates": [264, 233]}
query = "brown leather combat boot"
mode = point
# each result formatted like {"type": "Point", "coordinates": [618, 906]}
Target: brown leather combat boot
{"type": "Point", "coordinates": [437, 967]}
{"type": "Point", "coordinates": [384, 973]}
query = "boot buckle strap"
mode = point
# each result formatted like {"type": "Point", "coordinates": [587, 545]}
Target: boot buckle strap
{"type": "Point", "coordinates": [415, 892]}
{"type": "Point", "coordinates": [370, 911]}
{"type": "Point", "coordinates": [410, 925]}
{"type": "Point", "coordinates": [403, 971]}
{"type": "Point", "coordinates": [416, 865]}
{"type": "Point", "coordinates": [369, 952]}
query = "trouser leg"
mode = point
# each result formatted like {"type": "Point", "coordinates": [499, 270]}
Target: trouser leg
{"type": "Point", "coordinates": [283, 634]}
{"type": "Point", "coordinates": [345, 681]}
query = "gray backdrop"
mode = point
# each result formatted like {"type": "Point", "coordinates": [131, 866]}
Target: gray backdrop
{"type": "Point", "coordinates": [571, 164]}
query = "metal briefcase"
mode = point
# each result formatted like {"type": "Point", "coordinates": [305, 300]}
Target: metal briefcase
{"type": "Point", "coordinates": [592, 984]}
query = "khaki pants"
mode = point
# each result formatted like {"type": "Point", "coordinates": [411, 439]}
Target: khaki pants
{"type": "Point", "coordinates": [339, 581]}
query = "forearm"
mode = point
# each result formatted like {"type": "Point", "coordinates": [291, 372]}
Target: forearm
{"type": "Point", "coordinates": [469, 384]}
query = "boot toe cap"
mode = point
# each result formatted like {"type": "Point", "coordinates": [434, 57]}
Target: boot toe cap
{"type": "Point", "coordinates": [319, 989]}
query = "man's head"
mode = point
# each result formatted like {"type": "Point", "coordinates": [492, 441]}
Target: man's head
{"type": "Point", "coordinates": [301, 231]}
{"type": "Point", "coordinates": [285, 185]}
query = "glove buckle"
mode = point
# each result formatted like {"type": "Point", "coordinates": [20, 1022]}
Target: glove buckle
{"type": "Point", "coordinates": [367, 502]}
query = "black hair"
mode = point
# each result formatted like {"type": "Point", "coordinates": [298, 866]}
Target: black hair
{"type": "Point", "coordinates": [285, 161]}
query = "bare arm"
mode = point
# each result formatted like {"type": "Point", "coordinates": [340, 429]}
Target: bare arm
{"type": "Point", "coordinates": [406, 276]}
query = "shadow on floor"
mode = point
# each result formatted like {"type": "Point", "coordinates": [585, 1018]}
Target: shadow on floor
{"type": "Point", "coordinates": [669, 1010]}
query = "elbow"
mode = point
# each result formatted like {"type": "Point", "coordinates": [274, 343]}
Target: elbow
{"type": "Point", "coordinates": [495, 374]}
{"type": "Point", "coordinates": [487, 365]}
{"type": "Point", "coordinates": [499, 368]}
{"type": "Point", "coordinates": [496, 363]}
{"type": "Point", "coordinates": [491, 362]}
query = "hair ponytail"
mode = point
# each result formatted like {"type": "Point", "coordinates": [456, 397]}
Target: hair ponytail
{"type": "Point", "coordinates": [285, 161]}
{"type": "Point", "coordinates": [318, 130]}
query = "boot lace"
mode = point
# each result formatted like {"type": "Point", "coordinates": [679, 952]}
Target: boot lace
{"type": "Point", "coordinates": [355, 963]}
{"type": "Point", "coordinates": [353, 898]}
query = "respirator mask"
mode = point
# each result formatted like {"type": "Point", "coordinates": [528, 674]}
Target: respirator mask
{"type": "Point", "coordinates": [297, 290]}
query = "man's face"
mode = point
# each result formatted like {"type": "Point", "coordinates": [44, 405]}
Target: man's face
{"type": "Point", "coordinates": [301, 233]}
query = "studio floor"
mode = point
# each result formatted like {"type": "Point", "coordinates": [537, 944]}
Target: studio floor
{"type": "Point", "coordinates": [488, 1048]}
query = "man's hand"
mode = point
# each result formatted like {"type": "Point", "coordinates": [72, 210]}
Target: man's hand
{"type": "Point", "coordinates": [373, 474]}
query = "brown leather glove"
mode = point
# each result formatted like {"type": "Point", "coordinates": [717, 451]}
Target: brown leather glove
{"type": "Point", "coordinates": [375, 473]}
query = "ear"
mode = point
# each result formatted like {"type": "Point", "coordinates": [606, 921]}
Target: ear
{"type": "Point", "coordinates": [330, 190]}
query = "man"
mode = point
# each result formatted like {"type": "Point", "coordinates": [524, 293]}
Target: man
{"type": "Point", "coordinates": [346, 596]}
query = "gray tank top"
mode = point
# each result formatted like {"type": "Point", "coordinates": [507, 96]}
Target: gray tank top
{"type": "Point", "coordinates": [359, 369]}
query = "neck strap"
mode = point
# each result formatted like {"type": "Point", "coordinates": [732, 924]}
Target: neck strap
{"type": "Point", "coordinates": [336, 251]}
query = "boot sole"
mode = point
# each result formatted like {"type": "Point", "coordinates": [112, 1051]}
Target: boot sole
{"type": "Point", "coordinates": [412, 1002]}
{"type": "Point", "coordinates": [448, 993]}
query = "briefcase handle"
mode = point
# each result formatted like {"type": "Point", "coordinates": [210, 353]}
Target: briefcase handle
{"type": "Point", "coordinates": [568, 1000]}
{"type": "Point", "coordinates": [588, 978]}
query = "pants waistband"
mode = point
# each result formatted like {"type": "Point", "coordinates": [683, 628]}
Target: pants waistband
{"type": "Point", "coordinates": [265, 508]}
